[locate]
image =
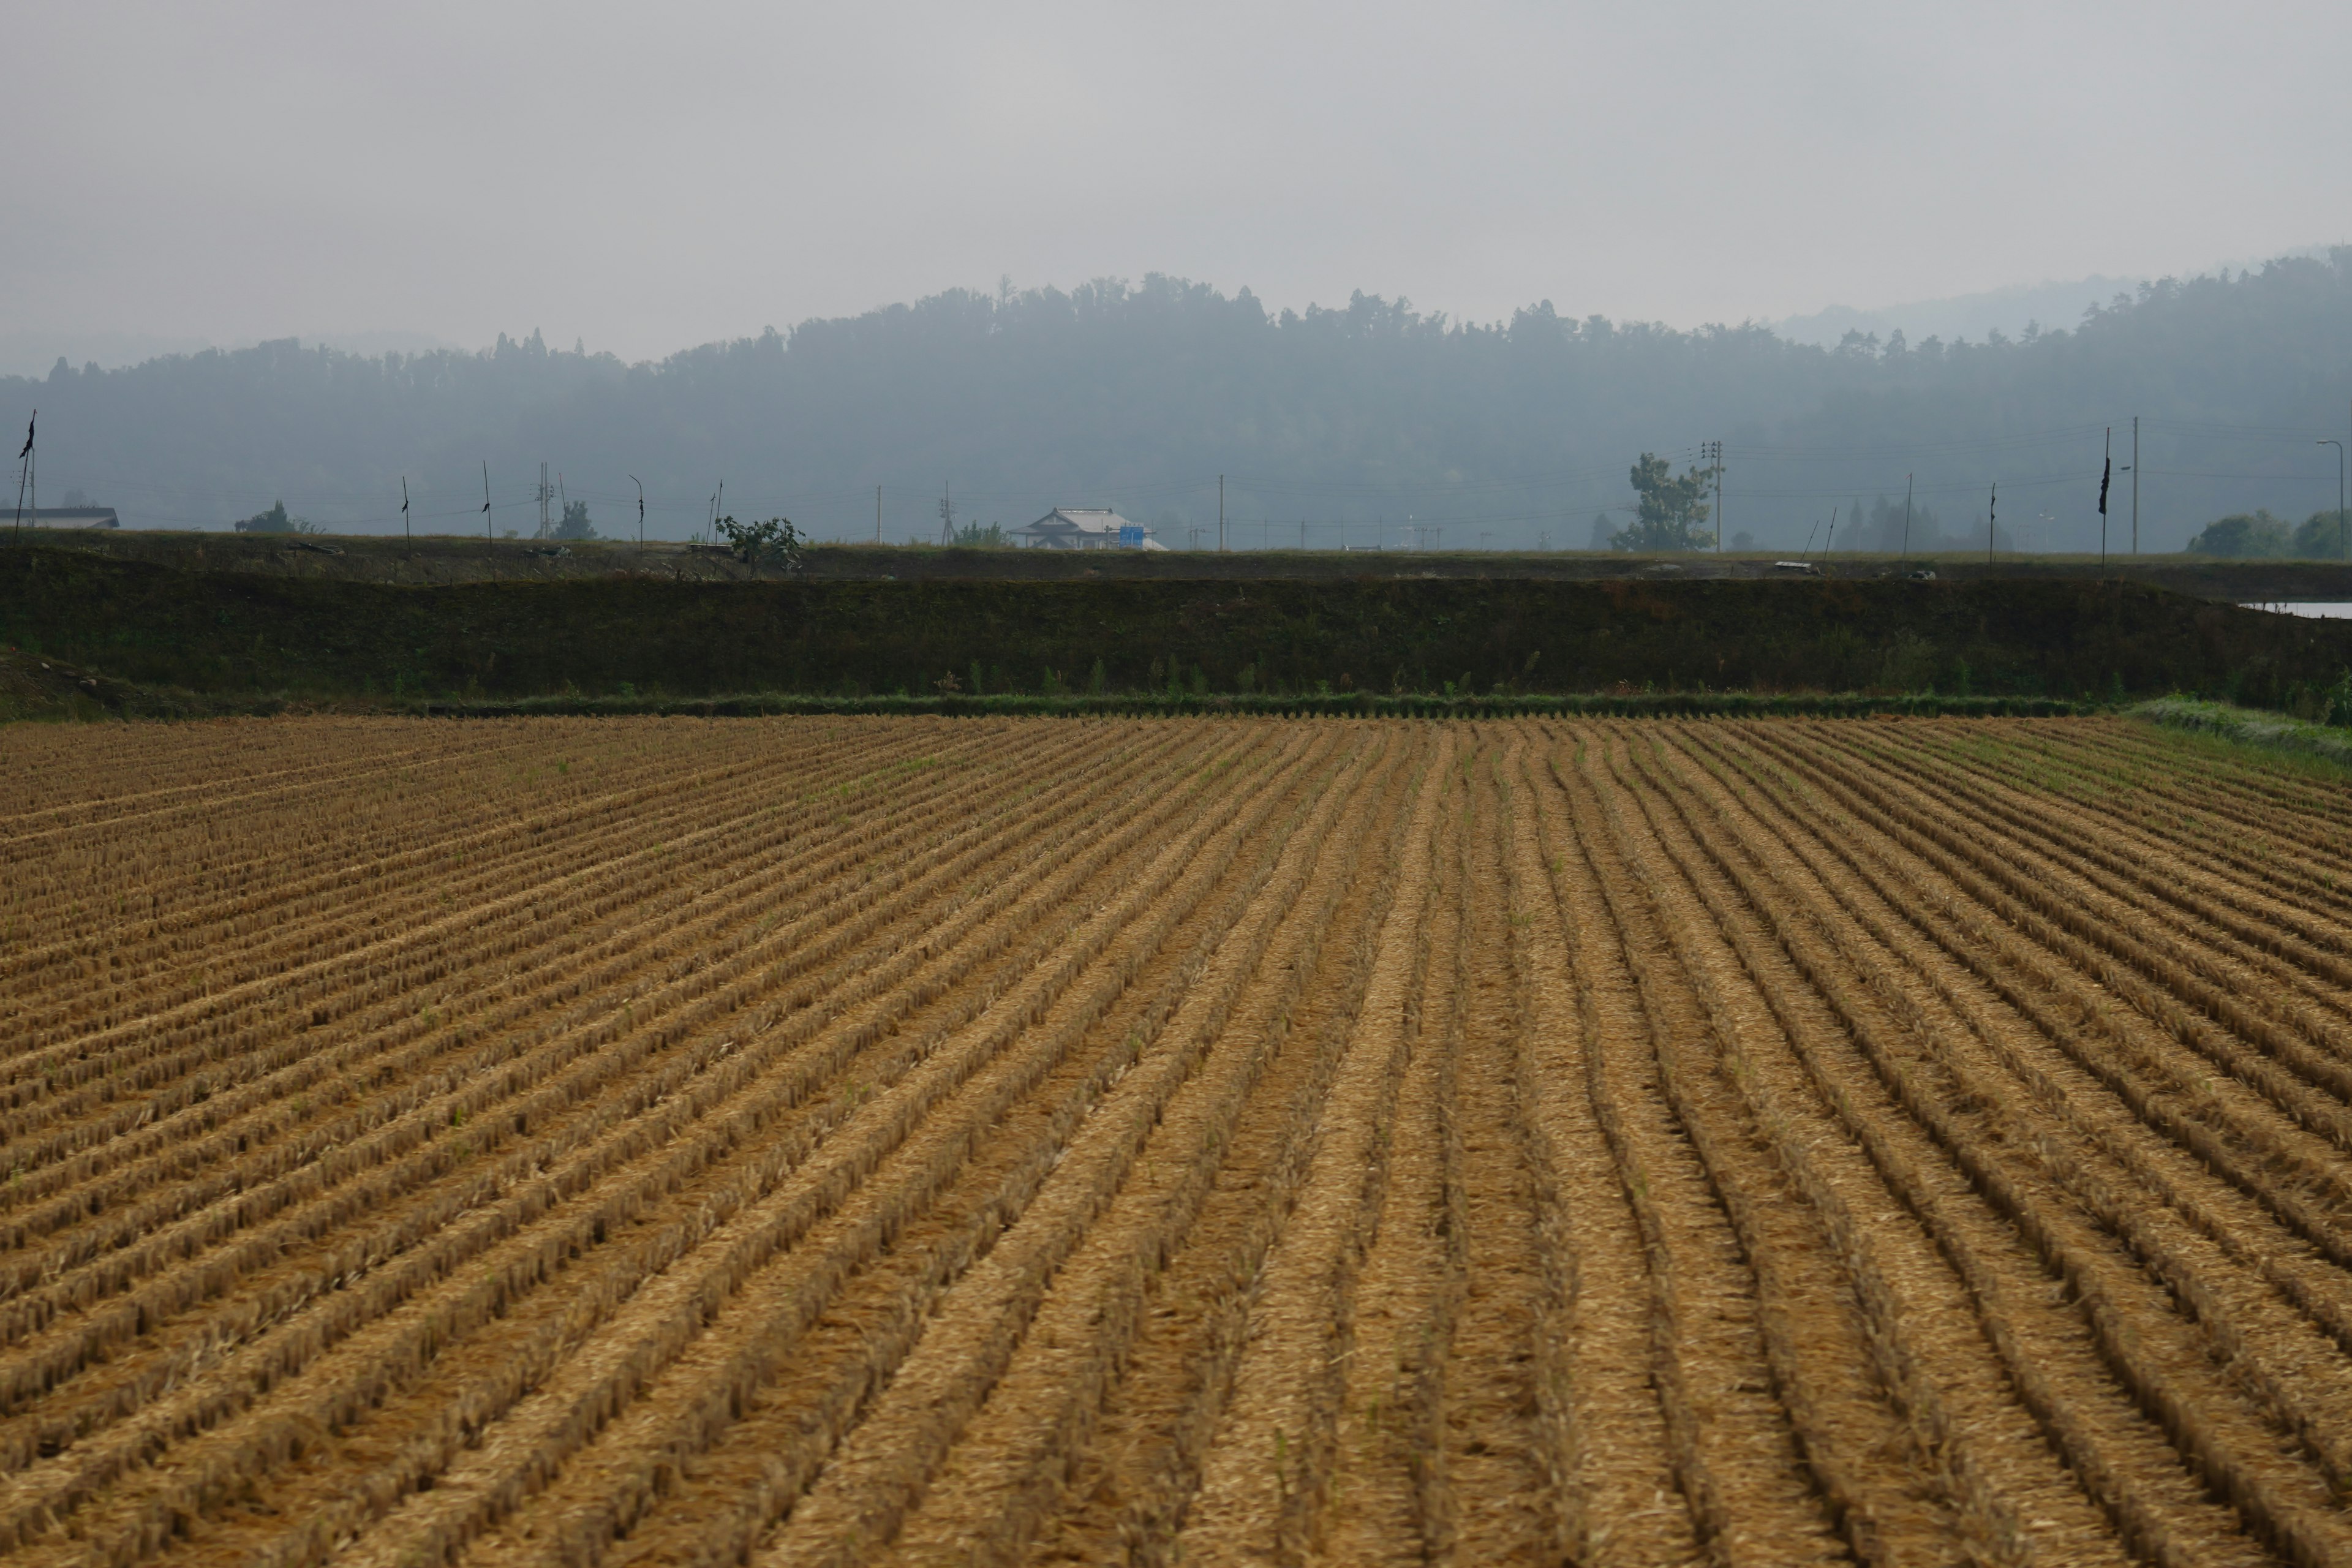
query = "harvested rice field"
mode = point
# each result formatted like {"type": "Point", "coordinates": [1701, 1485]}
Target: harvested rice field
{"type": "Point", "coordinates": [952, 1142]}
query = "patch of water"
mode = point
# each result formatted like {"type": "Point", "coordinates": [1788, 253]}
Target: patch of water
{"type": "Point", "coordinates": [2319, 610]}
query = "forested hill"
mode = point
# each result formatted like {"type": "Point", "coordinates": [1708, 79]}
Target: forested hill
{"type": "Point", "coordinates": [1505, 435]}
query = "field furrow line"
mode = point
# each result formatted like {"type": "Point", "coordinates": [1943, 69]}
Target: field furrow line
{"type": "Point", "coordinates": [482, 1095]}
{"type": "Point", "coordinates": [790, 890]}
{"type": "Point", "coordinates": [1847, 1388]}
{"type": "Point", "coordinates": [2126, 1329]}
{"type": "Point", "coordinates": [536, 1242]}
{"type": "Point", "coordinates": [257, 915]}
{"type": "Point", "coordinates": [2036, 914]}
{"type": "Point", "coordinates": [698, 1261]}
{"type": "Point", "coordinates": [940, 1203]}
{"type": "Point", "coordinates": [1391, 1497]}
{"type": "Point", "coordinates": [1493, 1475]}
{"type": "Point", "coordinates": [879, 1418]}
{"type": "Point", "coordinates": [1737, 1454]}
{"type": "Point", "coordinates": [1285, 1401]}
{"type": "Point", "coordinates": [1611, 1443]}
{"type": "Point", "coordinates": [2183, 931]}
{"type": "Point", "coordinates": [2219, 1129]}
{"type": "Point", "coordinates": [383, 1035]}
{"type": "Point", "coordinates": [1095, 1432]}
{"type": "Point", "coordinates": [507, 881]}
{"type": "Point", "coordinates": [2291, 943]}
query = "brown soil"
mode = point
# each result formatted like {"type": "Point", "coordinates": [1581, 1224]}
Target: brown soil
{"type": "Point", "coordinates": [927, 1141]}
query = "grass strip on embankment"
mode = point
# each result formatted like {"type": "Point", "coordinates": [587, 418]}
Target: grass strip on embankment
{"type": "Point", "coordinates": [238, 640]}
{"type": "Point", "coordinates": [2247, 727]}
{"type": "Point", "coordinates": [1361, 705]}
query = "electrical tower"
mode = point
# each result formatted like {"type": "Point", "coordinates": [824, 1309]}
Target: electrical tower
{"type": "Point", "coordinates": [546, 494]}
{"type": "Point", "coordinates": [947, 514]}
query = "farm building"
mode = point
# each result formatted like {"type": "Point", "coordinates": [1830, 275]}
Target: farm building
{"type": "Point", "coordinates": [67, 517]}
{"type": "Point", "coordinates": [1086, 528]}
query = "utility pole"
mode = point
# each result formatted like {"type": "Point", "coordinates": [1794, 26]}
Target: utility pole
{"type": "Point", "coordinates": [1831, 542]}
{"type": "Point", "coordinates": [2135, 484]}
{"type": "Point", "coordinates": [1906, 518]}
{"type": "Point", "coordinates": [2106, 467]}
{"type": "Point", "coordinates": [2339, 492]}
{"type": "Point", "coordinates": [1992, 516]}
{"type": "Point", "coordinates": [641, 507]}
{"type": "Point", "coordinates": [404, 533]}
{"type": "Point", "coordinates": [1711, 453]}
{"type": "Point", "coordinates": [486, 497]}
{"type": "Point", "coordinates": [543, 493]}
{"type": "Point", "coordinates": [25, 475]}
{"type": "Point", "coordinates": [1221, 514]}
{"type": "Point", "coordinates": [947, 514]}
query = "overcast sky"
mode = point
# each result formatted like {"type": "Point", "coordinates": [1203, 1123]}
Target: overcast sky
{"type": "Point", "coordinates": [645, 177]}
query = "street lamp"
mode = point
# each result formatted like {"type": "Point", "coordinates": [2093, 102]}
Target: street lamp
{"type": "Point", "coordinates": [2340, 550]}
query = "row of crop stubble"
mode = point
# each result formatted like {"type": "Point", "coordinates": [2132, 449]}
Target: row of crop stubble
{"type": "Point", "coordinates": [986, 1140]}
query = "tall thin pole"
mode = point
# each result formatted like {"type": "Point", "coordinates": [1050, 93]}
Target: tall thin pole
{"type": "Point", "coordinates": [1221, 514]}
{"type": "Point", "coordinates": [1906, 518]}
{"type": "Point", "coordinates": [2135, 484]}
{"type": "Point", "coordinates": [486, 497]}
{"type": "Point", "coordinates": [2339, 493]}
{"type": "Point", "coordinates": [2107, 464]}
{"type": "Point", "coordinates": [1992, 516]}
{"type": "Point", "coordinates": [24, 473]}
{"type": "Point", "coordinates": [1831, 544]}
{"type": "Point", "coordinates": [1719, 496]}
{"type": "Point", "coordinates": [641, 507]}
{"type": "Point", "coordinates": [877, 514]}
{"type": "Point", "coordinates": [404, 532]}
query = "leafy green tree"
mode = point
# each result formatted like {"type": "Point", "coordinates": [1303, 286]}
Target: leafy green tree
{"type": "Point", "coordinates": [1669, 514]}
{"type": "Point", "coordinates": [973, 536]}
{"type": "Point", "coordinates": [274, 521]}
{"type": "Point", "coordinates": [575, 523]}
{"type": "Point", "coordinates": [2320, 536]}
{"type": "Point", "coordinates": [2244, 536]}
{"type": "Point", "coordinates": [752, 542]}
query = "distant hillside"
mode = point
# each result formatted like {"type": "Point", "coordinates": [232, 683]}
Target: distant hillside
{"type": "Point", "coordinates": [1367, 421]}
{"type": "Point", "coordinates": [2008, 312]}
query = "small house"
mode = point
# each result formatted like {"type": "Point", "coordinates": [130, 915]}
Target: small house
{"type": "Point", "coordinates": [1086, 528]}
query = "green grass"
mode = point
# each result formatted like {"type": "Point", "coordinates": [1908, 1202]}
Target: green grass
{"type": "Point", "coordinates": [2240, 729]}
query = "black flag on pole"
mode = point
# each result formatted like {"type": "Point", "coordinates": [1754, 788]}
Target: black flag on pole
{"type": "Point", "coordinates": [2107, 471]}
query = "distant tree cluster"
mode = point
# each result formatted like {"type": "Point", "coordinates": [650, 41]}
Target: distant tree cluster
{"type": "Point", "coordinates": [575, 524]}
{"type": "Point", "coordinates": [2257, 535]}
{"type": "Point", "coordinates": [276, 520]}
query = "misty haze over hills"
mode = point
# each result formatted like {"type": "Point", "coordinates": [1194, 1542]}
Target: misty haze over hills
{"type": "Point", "coordinates": [1366, 423]}
{"type": "Point", "coordinates": [2008, 312]}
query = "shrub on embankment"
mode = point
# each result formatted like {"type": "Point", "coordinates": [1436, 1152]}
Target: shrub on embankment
{"type": "Point", "coordinates": [216, 631]}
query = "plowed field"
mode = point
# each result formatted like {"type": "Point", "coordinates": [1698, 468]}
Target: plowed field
{"type": "Point", "coordinates": [1003, 1141]}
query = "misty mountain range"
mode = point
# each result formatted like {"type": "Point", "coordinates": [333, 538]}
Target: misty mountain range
{"type": "Point", "coordinates": [1369, 423]}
